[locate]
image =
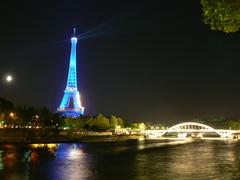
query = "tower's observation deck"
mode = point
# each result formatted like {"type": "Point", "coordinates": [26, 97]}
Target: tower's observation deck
{"type": "Point", "coordinates": [71, 103]}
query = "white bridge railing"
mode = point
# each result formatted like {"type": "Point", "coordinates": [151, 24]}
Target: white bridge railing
{"type": "Point", "coordinates": [192, 127]}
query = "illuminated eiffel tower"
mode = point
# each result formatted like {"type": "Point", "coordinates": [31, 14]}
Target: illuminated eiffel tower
{"type": "Point", "coordinates": [71, 103]}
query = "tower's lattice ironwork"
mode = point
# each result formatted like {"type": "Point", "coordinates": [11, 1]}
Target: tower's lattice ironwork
{"type": "Point", "coordinates": [71, 103]}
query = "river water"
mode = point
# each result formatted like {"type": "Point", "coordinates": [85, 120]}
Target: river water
{"type": "Point", "coordinates": [138, 160]}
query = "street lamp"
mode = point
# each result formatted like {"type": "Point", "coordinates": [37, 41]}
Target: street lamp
{"type": "Point", "coordinates": [11, 114]}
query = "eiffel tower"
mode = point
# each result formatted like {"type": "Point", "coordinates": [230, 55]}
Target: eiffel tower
{"type": "Point", "coordinates": [71, 103]}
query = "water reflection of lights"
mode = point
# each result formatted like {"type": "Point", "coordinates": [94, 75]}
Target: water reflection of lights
{"type": "Point", "coordinates": [75, 162]}
{"type": "Point", "coordinates": [49, 146]}
{"type": "Point", "coordinates": [1, 161]}
{"type": "Point", "coordinates": [75, 152]}
{"type": "Point", "coordinates": [158, 143]}
{"type": "Point", "coordinates": [34, 156]}
{"type": "Point", "coordinates": [9, 146]}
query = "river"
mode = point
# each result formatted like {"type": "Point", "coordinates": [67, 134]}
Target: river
{"type": "Point", "coordinates": [138, 160]}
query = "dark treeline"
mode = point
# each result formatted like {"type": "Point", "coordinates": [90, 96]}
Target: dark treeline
{"type": "Point", "coordinates": [22, 116]}
{"type": "Point", "coordinates": [222, 122]}
{"type": "Point", "coordinates": [95, 123]}
{"type": "Point", "coordinates": [101, 123]}
{"type": "Point", "coordinates": [31, 117]}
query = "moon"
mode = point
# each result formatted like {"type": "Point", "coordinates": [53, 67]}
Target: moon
{"type": "Point", "coordinates": [9, 78]}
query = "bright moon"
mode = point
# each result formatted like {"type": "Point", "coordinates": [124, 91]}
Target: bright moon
{"type": "Point", "coordinates": [9, 78]}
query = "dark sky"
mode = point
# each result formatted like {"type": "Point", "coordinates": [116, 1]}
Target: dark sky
{"type": "Point", "coordinates": [141, 60]}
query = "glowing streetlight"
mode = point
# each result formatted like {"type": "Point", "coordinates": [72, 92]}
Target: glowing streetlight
{"type": "Point", "coordinates": [11, 114]}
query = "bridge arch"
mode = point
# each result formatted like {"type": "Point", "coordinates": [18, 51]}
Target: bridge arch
{"type": "Point", "coordinates": [190, 126]}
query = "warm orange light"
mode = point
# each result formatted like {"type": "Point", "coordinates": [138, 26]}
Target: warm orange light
{"type": "Point", "coordinates": [50, 146]}
{"type": "Point", "coordinates": [11, 114]}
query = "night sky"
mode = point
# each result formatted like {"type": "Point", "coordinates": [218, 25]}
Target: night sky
{"type": "Point", "coordinates": [141, 60]}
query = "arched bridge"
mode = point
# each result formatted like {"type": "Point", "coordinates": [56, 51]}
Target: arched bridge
{"type": "Point", "coordinates": [192, 127]}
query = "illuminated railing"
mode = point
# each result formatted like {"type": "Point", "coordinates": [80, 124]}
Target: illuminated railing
{"type": "Point", "coordinates": [191, 127]}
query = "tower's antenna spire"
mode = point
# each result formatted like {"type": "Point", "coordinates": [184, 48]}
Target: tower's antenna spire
{"type": "Point", "coordinates": [74, 31]}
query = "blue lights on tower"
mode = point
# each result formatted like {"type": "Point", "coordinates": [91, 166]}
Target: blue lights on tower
{"type": "Point", "coordinates": [71, 103]}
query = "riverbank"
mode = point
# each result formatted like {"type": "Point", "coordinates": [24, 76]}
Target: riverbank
{"type": "Point", "coordinates": [59, 139]}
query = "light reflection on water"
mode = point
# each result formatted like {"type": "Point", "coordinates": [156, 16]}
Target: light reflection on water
{"type": "Point", "coordinates": [122, 160]}
{"type": "Point", "coordinates": [72, 162]}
